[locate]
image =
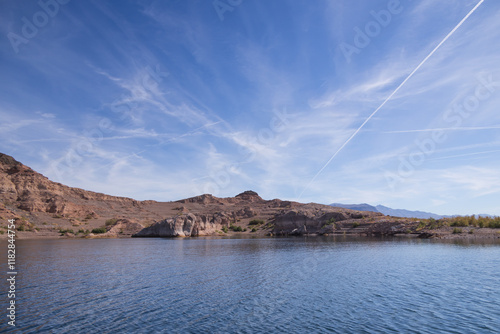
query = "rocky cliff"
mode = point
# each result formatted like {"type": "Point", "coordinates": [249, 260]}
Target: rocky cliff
{"type": "Point", "coordinates": [45, 207]}
{"type": "Point", "coordinates": [304, 221]}
{"type": "Point", "coordinates": [33, 192]}
{"type": "Point", "coordinates": [187, 225]}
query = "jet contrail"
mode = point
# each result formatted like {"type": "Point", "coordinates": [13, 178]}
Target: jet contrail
{"type": "Point", "coordinates": [465, 155]}
{"type": "Point", "coordinates": [392, 94]}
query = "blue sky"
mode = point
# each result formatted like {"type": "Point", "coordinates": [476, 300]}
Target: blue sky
{"type": "Point", "coordinates": [169, 99]}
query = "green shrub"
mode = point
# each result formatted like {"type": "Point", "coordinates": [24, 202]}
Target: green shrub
{"type": "Point", "coordinates": [25, 225]}
{"type": "Point", "coordinates": [224, 229]}
{"type": "Point", "coordinates": [63, 231]}
{"type": "Point", "coordinates": [99, 230]}
{"type": "Point", "coordinates": [457, 230]}
{"type": "Point", "coordinates": [236, 228]}
{"type": "Point", "coordinates": [420, 226]}
{"type": "Point", "coordinates": [111, 221]}
{"type": "Point", "coordinates": [256, 222]}
{"type": "Point", "coordinates": [482, 222]}
{"type": "Point", "coordinates": [494, 224]}
{"type": "Point", "coordinates": [434, 224]}
{"type": "Point", "coordinates": [355, 224]}
{"type": "Point", "coordinates": [331, 221]}
{"type": "Point", "coordinates": [254, 230]}
{"type": "Point", "coordinates": [88, 217]}
{"type": "Point", "coordinates": [460, 223]}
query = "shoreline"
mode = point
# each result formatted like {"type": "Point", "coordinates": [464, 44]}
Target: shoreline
{"type": "Point", "coordinates": [478, 234]}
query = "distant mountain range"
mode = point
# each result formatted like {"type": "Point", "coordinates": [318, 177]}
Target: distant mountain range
{"type": "Point", "coordinates": [389, 211]}
{"type": "Point", "coordinates": [396, 212]}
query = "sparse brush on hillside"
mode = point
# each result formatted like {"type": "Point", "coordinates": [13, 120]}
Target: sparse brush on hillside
{"type": "Point", "coordinates": [464, 221]}
{"type": "Point", "coordinates": [99, 230]}
{"type": "Point", "coordinates": [24, 225]}
{"type": "Point", "coordinates": [256, 222]}
{"type": "Point", "coordinates": [111, 221]}
{"type": "Point", "coordinates": [237, 228]}
{"type": "Point", "coordinates": [64, 231]}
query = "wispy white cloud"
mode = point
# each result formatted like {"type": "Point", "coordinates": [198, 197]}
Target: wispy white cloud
{"type": "Point", "coordinates": [205, 116]}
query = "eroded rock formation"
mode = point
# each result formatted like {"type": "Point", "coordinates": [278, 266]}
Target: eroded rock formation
{"type": "Point", "coordinates": [187, 225]}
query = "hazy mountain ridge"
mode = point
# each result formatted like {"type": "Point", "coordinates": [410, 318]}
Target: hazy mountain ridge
{"type": "Point", "coordinates": [409, 213]}
{"type": "Point", "coordinates": [359, 207]}
{"type": "Point", "coordinates": [390, 212]}
{"type": "Point", "coordinates": [397, 212]}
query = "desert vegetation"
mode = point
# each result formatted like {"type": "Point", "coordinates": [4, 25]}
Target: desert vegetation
{"type": "Point", "coordinates": [111, 222]}
{"type": "Point", "coordinates": [24, 225]}
{"type": "Point", "coordinates": [256, 222]}
{"type": "Point", "coordinates": [99, 230]}
{"type": "Point", "coordinates": [237, 228]}
{"type": "Point", "coordinates": [462, 221]}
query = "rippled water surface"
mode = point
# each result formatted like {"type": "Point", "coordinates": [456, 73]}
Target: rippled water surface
{"type": "Point", "coordinates": [289, 285]}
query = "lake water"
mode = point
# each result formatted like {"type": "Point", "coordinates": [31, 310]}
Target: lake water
{"type": "Point", "coordinates": [274, 285]}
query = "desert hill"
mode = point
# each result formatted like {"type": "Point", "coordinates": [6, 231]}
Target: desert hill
{"type": "Point", "coordinates": [43, 208]}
